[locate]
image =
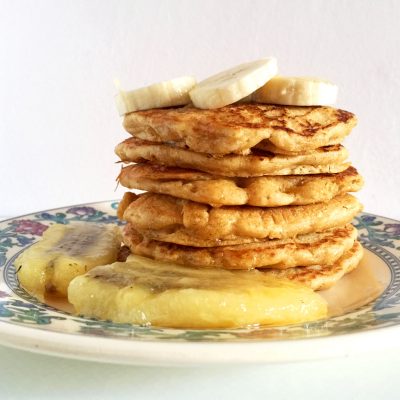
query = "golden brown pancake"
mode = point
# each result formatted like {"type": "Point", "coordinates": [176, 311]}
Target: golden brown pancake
{"type": "Point", "coordinates": [322, 160]}
{"type": "Point", "coordinates": [321, 277]}
{"type": "Point", "coordinates": [264, 191]}
{"type": "Point", "coordinates": [266, 145]}
{"type": "Point", "coordinates": [239, 127]}
{"type": "Point", "coordinates": [311, 249]}
{"type": "Point", "coordinates": [169, 219]}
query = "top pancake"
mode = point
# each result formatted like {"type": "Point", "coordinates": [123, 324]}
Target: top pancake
{"type": "Point", "coordinates": [239, 127]}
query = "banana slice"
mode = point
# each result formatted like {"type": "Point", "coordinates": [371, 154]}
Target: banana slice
{"type": "Point", "coordinates": [64, 252]}
{"type": "Point", "coordinates": [163, 94]}
{"type": "Point", "coordinates": [297, 91]}
{"type": "Point", "coordinates": [234, 84]}
{"type": "Point", "coordinates": [147, 292]}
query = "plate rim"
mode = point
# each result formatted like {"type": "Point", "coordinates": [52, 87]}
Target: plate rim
{"type": "Point", "coordinates": [152, 353]}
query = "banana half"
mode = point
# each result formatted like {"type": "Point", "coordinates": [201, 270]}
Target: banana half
{"type": "Point", "coordinates": [297, 91]}
{"type": "Point", "coordinates": [147, 292]}
{"type": "Point", "coordinates": [64, 252]}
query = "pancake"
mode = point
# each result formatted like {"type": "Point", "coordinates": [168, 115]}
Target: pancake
{"type": "Point", "coordinates": [239, 127]}
{"type": "Point", "coordinates": [265, 191]}
{"type": "Point", "coordinates": [311, 249]}
{"type": "Point", "coordinates": [321, 277]}
{"type": "Point", "coordinates": [169, 219]}
{"type": "Point", "coordinates": [266, 145]}
{"type": "Point", "coordinates": [322, 160]}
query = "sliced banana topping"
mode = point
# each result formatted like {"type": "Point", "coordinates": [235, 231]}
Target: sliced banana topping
{"type": "Point", "coordinates": [163, 94]}
{"type": "Point", "coordinates": [297, 91]}
{"type": "Point", "coordinates": [64, 252]}
{"type": "Point", "coordinates": [234, 84]}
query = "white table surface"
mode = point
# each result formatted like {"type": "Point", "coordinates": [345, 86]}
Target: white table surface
{"type": "Point", "coordinates": [25, 375]}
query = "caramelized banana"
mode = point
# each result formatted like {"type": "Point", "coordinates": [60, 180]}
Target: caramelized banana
{"type": "Point", "coordinates": [64, 252]}
{"type": "Point", "coordinates": [147, 292]}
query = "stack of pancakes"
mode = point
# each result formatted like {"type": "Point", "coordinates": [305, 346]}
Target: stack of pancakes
{"type": "Point", "coordinates": [243, 186]}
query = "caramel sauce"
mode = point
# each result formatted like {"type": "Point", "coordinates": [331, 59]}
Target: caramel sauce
{"type": "Point", "coordinates": [58, 302]}
{"type": "Point", "coordinates": [359, 287]}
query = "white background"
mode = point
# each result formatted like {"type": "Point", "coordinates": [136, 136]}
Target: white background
{"type": "Point", "coordinates": [58, 123]}
{"type": "Point", "coordinates": [58, 128]}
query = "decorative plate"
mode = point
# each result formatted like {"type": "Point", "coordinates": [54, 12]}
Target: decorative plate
{"type": "Point", "coordinates": [29, 324]}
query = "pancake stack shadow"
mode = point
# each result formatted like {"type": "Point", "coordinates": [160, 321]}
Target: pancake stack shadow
{"type": "Point", "coordinates": [241, 187]}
